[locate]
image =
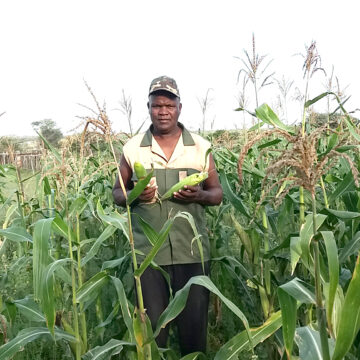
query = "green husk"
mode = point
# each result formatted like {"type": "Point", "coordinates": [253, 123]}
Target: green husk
{"type": "Point", "coordinates": [190, 180]}
{"type": "Point", "coordinates": [139, 170]}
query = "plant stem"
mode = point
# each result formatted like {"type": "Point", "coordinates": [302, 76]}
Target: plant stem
{"type": "Point", "coordinates": [265, 269]}
{"type": "Point", "coordinates": [320, 310]}
{"type": "Point", "coordinates": [301, 189]}
{"type": "Point", "coordinates": [324, 192]}
{"type": "Point", "coordinates": [21, 203]}
{"type": "Point", "coordinates": [302, 205]}
{"type": "Point", "coordinates": [80, 282]}
{"type": "Point", "coordinates": [73, 285]}
{"type": "Point", "coordinates": [304, 110]}
{"type": "Point", "coordinates": [146, 349]}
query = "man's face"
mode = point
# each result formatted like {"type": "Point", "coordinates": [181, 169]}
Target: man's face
{"type": "Point", "coordinates": [164, 112]}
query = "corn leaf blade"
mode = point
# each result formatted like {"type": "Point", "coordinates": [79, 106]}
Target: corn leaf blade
{"type": "Point", "coordinates": [104, 352]}
{"type": "Point", "coordinates": [96, 246]}
{"type": "Point", "coordinates": [124, 304]}
{"type": "Point", "coordinates": [231, 196]}
{"type": "Point", "coordinates": [60, 227]}
{"type": "Point", "coordinates": [179, 301]}
{"type": "Point", "coordinates": [162, 236]}
{"type": "Point", "coordinates": [41, 256]}
{"type": "Point", "coordinates": [148, 230]}
{"type": "Point", "coordinates": [267, 115]}
{"type": "Point", "coordinates": [16, 234]}
{"type": "Point", "coordinates": [308, 341]}
{"type": "Point", "coordinates": [344, 215]}
{"type": "Point", "coordinates": [27, 335]}
{"type": "Point", "coordinates": [306, 234]}
{"type": "Point", "coordinates": [47, 292]}
{"type": "Point", "coordinates": [139, 188]}
{"type": "Point", "coordinates": [316, 99]}
{"type": "Point", "coordinates": [300, 291]}
{"type": "Point", "coordinates": [240, 342]}
{"type": "Point", "coordinates": [333, 265]}
{"type": "Point", "coordinates": [90, 290]}
{"type": "Point", "coordinates": [194, 356]}
{"type": "Point", "coordinates": [51, 148]}
{"type": "Point", "coordinates": [114, 219]}
{"type": "Point", "coordinates": [288, 313]}
{"type": "Point", "coordinates": [346, 185]}
{"type": "Point", "coordinates": [349, 323]}
{"type": "Point", "coordinates": [351, 248]}
{"type": "Point", "coordinates": [30, 309]}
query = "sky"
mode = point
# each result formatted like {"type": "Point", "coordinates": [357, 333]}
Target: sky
{"type": "Point", "coordinates": [49, 49]}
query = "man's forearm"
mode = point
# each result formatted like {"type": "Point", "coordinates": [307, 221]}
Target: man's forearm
{"type": "Point", "coordinates": [119, 197]}
{"type": "Point", "coordinates": [210, 197]}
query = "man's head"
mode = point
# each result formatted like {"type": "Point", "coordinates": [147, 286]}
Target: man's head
{"type": "Point", "coordinates": [164, 104]}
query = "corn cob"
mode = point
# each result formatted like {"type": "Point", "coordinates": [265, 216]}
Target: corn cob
{"type": "Point", "coordinates": [190, 180]}
{"type": "Point", "coordinates": [139, 170]}
{"type": "Point", "coordinates": [141, 174]}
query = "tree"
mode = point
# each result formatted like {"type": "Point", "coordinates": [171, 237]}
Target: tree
{"type": "Point", "coordinates": [49, 130]}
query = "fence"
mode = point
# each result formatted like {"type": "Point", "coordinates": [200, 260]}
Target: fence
{"type": "Point", "coordinates": [30, 161]}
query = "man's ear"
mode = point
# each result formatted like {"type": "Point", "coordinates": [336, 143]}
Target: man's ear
{"type": "Point", "coordinates": [148, 106]}
{"type": "Point", "coordinates": [180, 107]}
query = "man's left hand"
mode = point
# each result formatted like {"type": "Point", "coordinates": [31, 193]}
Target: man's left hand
{"type": "Point", "coordinates": [189, 194]}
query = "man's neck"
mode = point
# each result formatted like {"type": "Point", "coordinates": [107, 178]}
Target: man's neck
{"type": "Point", "coordinates": [168, 141]}
{"type": "Point", "coordinates": [174, 133]}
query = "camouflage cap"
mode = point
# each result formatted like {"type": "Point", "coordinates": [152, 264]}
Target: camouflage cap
{"type": "Point", "coordinates": [164, 83]}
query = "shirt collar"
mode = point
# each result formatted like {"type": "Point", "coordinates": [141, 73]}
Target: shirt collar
{"type": "Point", "coordinates": [186, 136]}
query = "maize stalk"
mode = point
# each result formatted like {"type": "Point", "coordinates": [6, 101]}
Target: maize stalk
{"type": "Point", "coordinates": [190, 180]}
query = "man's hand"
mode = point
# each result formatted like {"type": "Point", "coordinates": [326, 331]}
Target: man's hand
{"type": "Point", "coordinates": [149, 192]}
{"type": "Point", "coordinates": [189, 194]}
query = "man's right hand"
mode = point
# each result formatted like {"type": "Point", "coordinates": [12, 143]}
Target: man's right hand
{"type": "Point", "coordinates": [149, 192]}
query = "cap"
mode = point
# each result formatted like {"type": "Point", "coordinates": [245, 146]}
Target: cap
{"type": "Point", "coordinates": [164, 83]}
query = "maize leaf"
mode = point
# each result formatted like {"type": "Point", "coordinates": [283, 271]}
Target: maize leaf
{"type": "Point", "coordinates": [30, 309]}
{"type": "Point", "coordinates": [240, 342]}
{"type": "Point", "coordinates": [178, 303]}
{"type": "Point", "coordinates": [90, 290]}
{"type": "Point", "coordinates": [27, 335]}
{"type": "Point", "coordinates": [288, 313]}
{"type": "Point", "coordinates": [139, 188]}
{"type": "Point", "coordinates": [333, 264]}
{"type": "Point", "coordinates": [244, 237]}
{"type": "Point", "coordinates": [16, 233]}
{"type": "Point", "coordinates": [41, 256]}
{"type": "Point", "coordinates": [349, 323]}
{"type": "Point", "coordinates": [112, 347]}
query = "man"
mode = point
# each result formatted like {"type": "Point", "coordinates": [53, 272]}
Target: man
{"type": "Point", "coordinates": [174, 153]}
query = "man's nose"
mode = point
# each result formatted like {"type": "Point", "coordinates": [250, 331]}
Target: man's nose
{"type": "Point", "coordinates": [163, 110]}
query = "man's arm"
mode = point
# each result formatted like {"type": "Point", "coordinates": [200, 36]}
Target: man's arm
{"type": "Point", "coordinates": [126, 174]}
{"type": "Point", "coordinates": [210, 194]}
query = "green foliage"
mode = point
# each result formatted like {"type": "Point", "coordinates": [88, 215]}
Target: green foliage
{"type": "Point", "coordinates": [66, 270]}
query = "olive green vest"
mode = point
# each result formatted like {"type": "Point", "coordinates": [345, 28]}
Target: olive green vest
{"type": "Point", "coordinates": [188, 158]}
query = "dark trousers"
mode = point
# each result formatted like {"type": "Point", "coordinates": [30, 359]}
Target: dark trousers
{"type": "Point", "coordinates": [192, 321]}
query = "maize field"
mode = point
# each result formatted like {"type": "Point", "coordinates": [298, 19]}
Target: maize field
{"type": "Point", "coordinates": [285, 269]}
